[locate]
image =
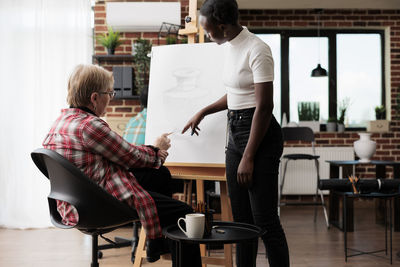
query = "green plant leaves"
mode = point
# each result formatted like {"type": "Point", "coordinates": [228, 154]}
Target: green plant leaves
{"type": "Point", "coordinates": [110, 39]}
{"type": "Point", "coordinates": [308, 111]}
{"type": "Point", "coordinates": [142, 62]}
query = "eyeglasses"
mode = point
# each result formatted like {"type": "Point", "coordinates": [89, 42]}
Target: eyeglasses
{"type": "Point", "coordinates": [111, 94]}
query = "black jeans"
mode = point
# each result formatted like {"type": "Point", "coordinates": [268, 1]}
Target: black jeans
{"type": "Point", "coordinates": [258, 204]}
{"type": "Point", "coordinates": [157, 182]}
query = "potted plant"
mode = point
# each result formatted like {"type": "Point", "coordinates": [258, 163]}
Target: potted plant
{"type": "Point", "coordinates": [380, 112]}
{"type": "Point", "coordinates": [380, 124]}
{"type": "Point", "coordinates": [331, 124]}
{"type": "Point", "coordinates": [170, 39]}
{"type": "Point", "coordinates": [309, 115]}
{"type": "Point", "coordinates": [183, 40]}
{"type": "Point", "coordinates": [343, 106]}
{"type": "Point", "coordinates": [110, 40]}
{"type": "Point", "coordinates": [142, 49]}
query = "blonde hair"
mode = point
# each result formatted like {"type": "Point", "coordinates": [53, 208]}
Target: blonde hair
{"type": "Point", "coordinates": [85, 80]}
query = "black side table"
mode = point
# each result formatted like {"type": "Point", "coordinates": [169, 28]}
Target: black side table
{"type": "Point", "coordinates": [348, 168]}
{"type": "Point", "coordinates": [222, 233]}
{"type": "Point", "coordinates": [388, 223]}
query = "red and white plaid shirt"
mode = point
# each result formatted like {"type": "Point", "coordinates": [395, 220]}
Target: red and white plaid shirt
{"type": "Point", "coordinates": [105, 157]}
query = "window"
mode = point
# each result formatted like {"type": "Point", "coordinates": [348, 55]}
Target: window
{"type": "Point", "coordinates": [353, 58]}
{"type": "Point", "coordinates": [274, 42]}
{"type": "Point", "coordinates": [303, 57]}
{"type": "Point", "coordinates": [359, 75]}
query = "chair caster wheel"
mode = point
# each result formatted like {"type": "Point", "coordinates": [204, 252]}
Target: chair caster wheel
{"type": "Point", "coordinates": [100, 254]}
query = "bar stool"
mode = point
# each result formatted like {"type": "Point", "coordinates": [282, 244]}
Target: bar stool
{"type": "Point", "coordinates": [304, 134]}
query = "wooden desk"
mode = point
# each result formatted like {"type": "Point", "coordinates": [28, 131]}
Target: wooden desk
{"type": "Point", "coordinates": [348, 168]}
{"type": "Point", "coordinates": [201, 173]}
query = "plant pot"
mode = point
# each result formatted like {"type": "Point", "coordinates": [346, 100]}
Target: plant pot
{"type": "Point", "coordinates": [314, 125]}
{"type": "Point", "coordinates": [331, 127]}
{"type": "Point", "coordinates": [111, 51]}
{"type": "Point", "coordinates": [364, 147]}
{"type": "Point", "coordinates": [340, 128]}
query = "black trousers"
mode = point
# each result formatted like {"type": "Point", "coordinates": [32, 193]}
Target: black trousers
{"type": "Point", "coordinates": [258, 204]}
{"type": "Point", "coordinates": [156, 183]}
{"type": "Point", "coordinates": [158, 180]}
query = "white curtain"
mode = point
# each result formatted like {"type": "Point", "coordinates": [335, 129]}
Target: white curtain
{"type": "Point", "coordinates": [40, 43]}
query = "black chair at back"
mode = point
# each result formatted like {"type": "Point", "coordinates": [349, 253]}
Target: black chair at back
{"type": "Point", "coordinates": [304, 134]}
{"type": "Point", "coordinates": [99, 212]}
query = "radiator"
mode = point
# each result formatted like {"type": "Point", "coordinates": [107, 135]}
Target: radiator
{"type": "Point", "coordinates": [301, 176]}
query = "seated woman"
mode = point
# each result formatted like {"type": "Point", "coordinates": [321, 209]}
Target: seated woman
{"type": "Point", "coordinates": [81, 136]}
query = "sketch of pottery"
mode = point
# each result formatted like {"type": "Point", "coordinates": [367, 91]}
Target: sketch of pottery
{"type": "Point", "coordinates": [186, 83]}
{"type": "Point", "coordinates": [183, 93]}
{"type": "Point", "coordinates": [364, 147]}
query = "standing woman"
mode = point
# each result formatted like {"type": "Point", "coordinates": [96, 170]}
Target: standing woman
{"type": "Point", "coordinates": [255, 138]}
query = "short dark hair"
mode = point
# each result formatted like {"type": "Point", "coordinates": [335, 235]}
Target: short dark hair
{"type": "Point", "coordinates": [220, 11]}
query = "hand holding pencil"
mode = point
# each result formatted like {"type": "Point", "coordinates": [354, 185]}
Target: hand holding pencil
{"type": "Point", "coordinates": [163, 142]}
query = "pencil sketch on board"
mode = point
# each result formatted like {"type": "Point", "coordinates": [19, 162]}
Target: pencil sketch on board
{"type": "Point", "coordinates": [183, 79]}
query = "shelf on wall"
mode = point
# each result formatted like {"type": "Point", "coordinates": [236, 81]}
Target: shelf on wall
{"type": "Point", "coordinates": [113, 58]}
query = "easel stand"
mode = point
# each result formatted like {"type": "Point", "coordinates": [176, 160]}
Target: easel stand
{"type": "Point", "coordinates": [202, 172]}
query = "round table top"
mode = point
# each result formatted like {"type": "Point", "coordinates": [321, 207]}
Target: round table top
{"type": "Point", "coordinates": [221, 233]}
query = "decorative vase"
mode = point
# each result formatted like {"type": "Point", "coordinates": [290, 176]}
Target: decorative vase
{"type": "Point", "coordinates": [284, 122]}
{"type": "Point", "coordinates": [364, 147]}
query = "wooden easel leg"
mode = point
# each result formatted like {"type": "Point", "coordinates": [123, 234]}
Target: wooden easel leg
{"type": "Point", "coordinates": [226, 215]}
{"type": "Point", "coordinates": [141, 249]}
{"type": "Point", "coordinates": [187, 192]}
{"type": "Point", "coordinates": [200, 199]}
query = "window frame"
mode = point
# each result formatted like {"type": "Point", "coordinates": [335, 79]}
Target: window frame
{"type": "Point", "coordinates": [332, 65]}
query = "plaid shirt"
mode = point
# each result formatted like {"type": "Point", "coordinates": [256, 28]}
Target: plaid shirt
{"type": "Point", "coordinates": [104, 156]}
{"type": "Point", "coordinates": [136, 128]}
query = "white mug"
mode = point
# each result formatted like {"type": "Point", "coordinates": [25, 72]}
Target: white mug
{"type": "Point", "coordinates": [194, 225]}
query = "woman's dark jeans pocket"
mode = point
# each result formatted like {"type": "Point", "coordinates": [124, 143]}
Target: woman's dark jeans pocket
{"type": "Point", "coordinates": [240, 133]}
{"type": "Point", "coordinates": [239, 126]}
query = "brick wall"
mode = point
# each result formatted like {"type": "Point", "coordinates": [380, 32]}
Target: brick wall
{"type": "Point", "coordinates": [388, 144]}
{"type": "Point", "coordinates": [126, 108]}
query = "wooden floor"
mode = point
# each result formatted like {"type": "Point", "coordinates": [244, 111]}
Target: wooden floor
{"type": "Point", "coordinates": [311, 244]}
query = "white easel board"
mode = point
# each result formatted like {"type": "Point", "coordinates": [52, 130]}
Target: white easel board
{"type": "Point", "coordinates": [183, 79]}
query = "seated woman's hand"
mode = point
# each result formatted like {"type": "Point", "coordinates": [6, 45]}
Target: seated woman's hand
{"type": "Point", "coordinates": [162, 155]}
{"type": "Point", "coordinates": [163, 142]}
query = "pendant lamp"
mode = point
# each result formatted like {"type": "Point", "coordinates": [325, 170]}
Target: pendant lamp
{"type": "Point", "coordinates": [319, 71]}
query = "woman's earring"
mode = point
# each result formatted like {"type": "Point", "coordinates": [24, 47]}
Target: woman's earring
{"type": "Point", "coordinates": [225, 34]}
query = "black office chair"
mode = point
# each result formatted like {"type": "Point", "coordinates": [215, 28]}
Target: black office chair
{"type": "Point", "coordinates": [304, 134]}
{"type": "Point", "coordinates": [99, 212]}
